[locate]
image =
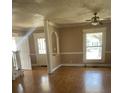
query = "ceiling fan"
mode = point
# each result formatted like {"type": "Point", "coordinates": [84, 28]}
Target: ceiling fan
{"type": "Point", "coordinates": [95, 20]}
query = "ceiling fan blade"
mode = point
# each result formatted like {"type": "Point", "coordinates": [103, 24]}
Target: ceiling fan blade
{"type": "Point", "coordinates": [87, 20]}
{"type": "Point", "coordinates": [105, 19]}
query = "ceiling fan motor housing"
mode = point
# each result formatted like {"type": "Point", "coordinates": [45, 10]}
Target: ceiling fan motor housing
{"type": "Point", "coordinates": [95, 18]}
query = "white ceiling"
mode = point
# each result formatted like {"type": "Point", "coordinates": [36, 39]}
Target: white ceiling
{"type": "Point", "coordinates": [31, 13]}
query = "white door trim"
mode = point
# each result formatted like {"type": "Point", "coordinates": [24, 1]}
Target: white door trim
{"type": "Point", "coordinates": [37, 35]}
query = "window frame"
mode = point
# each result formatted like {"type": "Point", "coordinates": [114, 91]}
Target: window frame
{"type": "Point", "coordinates": [14, 46]}
{"type": "Point", "coordinates": [35, 37]}
{"type": "Point", "coordinates": [40, 46]}
{"type": "Point", "coordinates": [94, 30]}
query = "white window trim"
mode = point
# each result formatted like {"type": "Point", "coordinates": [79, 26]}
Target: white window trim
{"type": "Point", "coordinates": [35, 35]}
{"type": "Point", "coordinates": [42, 38]}
{"type": "Point", "coordinates": [94, 30]}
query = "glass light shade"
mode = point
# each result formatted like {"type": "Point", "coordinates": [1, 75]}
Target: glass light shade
{"type": "Point", "coordinates": [95, 23]}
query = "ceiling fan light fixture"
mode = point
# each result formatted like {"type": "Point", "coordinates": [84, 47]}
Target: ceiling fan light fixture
{"type": "Point", "coordinates": [95, 23]}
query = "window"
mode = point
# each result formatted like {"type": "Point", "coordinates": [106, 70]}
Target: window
{"type": "Point", "coordinates": [94, 42]}
{"type": "Point", "coordinates": [94, 46]}
{"type": "Point", "coordinates": [14, 48]}
{"type": "Point", "coordinates": [41, 46]}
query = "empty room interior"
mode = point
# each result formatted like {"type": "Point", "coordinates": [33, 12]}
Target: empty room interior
{"type": "Point", "coordinates": [61, 46]}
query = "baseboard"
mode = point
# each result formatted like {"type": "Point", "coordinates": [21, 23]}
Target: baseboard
{"type": "Point", "coordinates": [73, 64]}
{"type": "Point", "coordinates": [85, 65]}
{"type": "Point", "coordinates": [35, 65]}
{"type": "Point", "coordinates": [99, 65]}
{"type": "Point", "coordinates": [56, 68]}
{"type": "Point", "coordinates": [38, 65]}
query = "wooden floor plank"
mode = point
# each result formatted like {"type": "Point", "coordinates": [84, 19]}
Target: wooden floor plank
{"type": "Point", "coordinates": [64, 80]}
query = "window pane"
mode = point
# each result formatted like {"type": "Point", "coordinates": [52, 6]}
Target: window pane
{"type": "Point", "coordinates": [94, 39]}
{"type": "Point", "coordinates": [93, 52]}
{"type": "Point", "coordinates": [94, 46]}
{"type": "Point", "coordinates": [14, 48]}
{"type": "Point", "coordinates": [41, 46]}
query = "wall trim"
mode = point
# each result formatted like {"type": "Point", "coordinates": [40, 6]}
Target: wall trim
{"type": "Point", "coordinates": [71, 53]}
{"type": "Point", "coordinates": [37, 65]}
{"type": "Point", "coordinates": [73, 64]}
{"type": "Point", "coordinates": [63, 53]}
{"type": "Point", "coordinates": [53, 52]}
{"type": "Point", "coordinates": [105, 65]}
{"type": "Point", "coordinates": [53, 24]}
{"type": "Point", "coordinates": [80, 65]}
{"type": "Point", "coordinates": [56, 68]}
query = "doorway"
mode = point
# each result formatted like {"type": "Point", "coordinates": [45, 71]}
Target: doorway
{"type": "Point", "coordinates": [40, 49]}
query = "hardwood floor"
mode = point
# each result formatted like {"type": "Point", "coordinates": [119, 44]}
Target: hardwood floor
{"type": "Point", "coordinates": [64, 80]}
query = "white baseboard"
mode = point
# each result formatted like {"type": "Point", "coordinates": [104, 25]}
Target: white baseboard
{"type": "Point", "coordinates": [56, 68]}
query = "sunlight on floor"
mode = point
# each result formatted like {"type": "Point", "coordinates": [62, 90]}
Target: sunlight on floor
{"type": "Point", "coordinates": [93, 82]}
{"type": "Point", "coordinates": [45, 83]}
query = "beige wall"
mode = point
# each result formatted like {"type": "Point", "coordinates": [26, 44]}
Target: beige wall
{"type": "Point", "coordinates": [53, 56]}
{"type": "Point", "coordinates": [71, 39]}
{"type": "Point", "coordinates": [71, 44]}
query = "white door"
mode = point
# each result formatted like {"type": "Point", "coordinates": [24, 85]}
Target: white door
{"type": "Point", "coordinates": [40, 47]}
{"type": "Point", "coordinates": [94, 45]}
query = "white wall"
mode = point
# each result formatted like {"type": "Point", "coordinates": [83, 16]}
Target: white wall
{"type": "Point", "coordinates": [24, 52]}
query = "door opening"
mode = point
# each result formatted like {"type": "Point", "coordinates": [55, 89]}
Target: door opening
{"type": "Point", "coordinates": [40, 49]}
